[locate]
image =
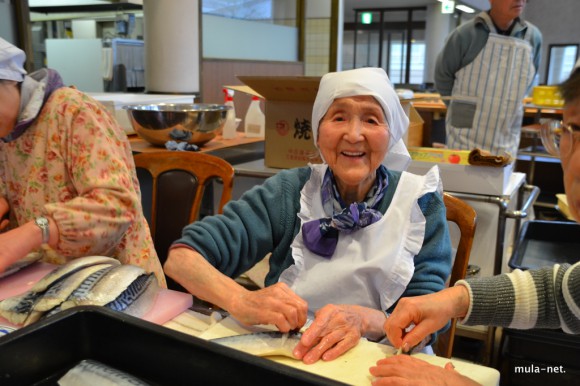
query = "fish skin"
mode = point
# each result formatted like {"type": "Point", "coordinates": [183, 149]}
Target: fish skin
{"type": "Point", "coordinates": [138, 298]}
{"type": "Point", "coordinates": [91, 372]}
{"type": "Point", "coordinates": [17, 309]}
{"type": "Point", "coordinates": [69, 268]}
{"type": "Point", "coordinates": [84, 287]}
{"type": "Point", "coordinates": [83, 290]}
{"type": "Point", "coordinates": [109, 287]}
{"type": "Point", "coordinates": [263, 344]}
{"type": "Point", "coordinates": [61, 290]}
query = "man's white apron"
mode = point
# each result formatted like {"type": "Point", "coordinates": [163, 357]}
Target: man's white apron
{"type": "Point", "coordinates": [486, 110]}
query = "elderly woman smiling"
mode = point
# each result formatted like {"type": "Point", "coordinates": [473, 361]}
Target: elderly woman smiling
{"type": "Point", "coordinates": [347, 238]}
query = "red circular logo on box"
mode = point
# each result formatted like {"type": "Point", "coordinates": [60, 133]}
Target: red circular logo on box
{"type": "Point", "coordinates": [282, 128]}
{"type": "Point", "coordinates": [454, 159]}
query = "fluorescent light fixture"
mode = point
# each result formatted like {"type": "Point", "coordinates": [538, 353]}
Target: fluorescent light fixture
{"type": "Point", "coordinates": [447, 6]}
{"type": "Point", "coordinates": [366, 17]}
{"type": "Point", "coordinates": [465, 8]}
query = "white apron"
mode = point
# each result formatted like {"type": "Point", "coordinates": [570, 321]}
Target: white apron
{"type": "Point", "coordinates": [370, 267]}
{"type": "Point", "coordinates": [486, 111]}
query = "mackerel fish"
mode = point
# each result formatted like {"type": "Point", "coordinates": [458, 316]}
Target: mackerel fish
{"type": "Point", "coordinates": [107, 288]}
{"type": "Point", "coordinates": [263, 344]}
{"type": "Point", "coordinates": [91, 372]}
{"type": "Point", "coordinates": [139, 296]}
{"type": "Point", "coordinates": [17, 309]}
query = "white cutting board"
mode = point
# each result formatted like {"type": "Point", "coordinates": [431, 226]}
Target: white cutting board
{"type": "Point", "coordinates": [353, 366]}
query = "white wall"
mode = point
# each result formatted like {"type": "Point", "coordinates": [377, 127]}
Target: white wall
{"type": "Point", "coordinates": [318, 9]}
{"type": "Point", "coordinates": [7, 28]}
{"type": "Point", "coordinates": [225, 38]}
{"type": "Point", "coordinates": [84, 29]}
{"type": "Point", "coordinates": [558, 22]}
{"type": "Point", "coordinates": [78, 61]}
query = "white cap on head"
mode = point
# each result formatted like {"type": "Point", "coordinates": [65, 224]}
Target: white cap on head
{"type": "Point", "coordinates": [373, 82]}
{"type": "Point", "coordinates": [11, 62]}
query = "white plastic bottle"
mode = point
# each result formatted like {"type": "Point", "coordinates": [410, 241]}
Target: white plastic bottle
{"type": "Point", "coordinates": [255, 121]}
{"type": "Point", "coordinates": [229, 129]}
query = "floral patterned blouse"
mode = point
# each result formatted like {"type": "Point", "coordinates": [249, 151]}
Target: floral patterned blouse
{"type": "Point", "coordinates": [75, 165]}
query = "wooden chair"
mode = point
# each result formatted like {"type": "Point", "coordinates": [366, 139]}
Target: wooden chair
{"type": "Point", "coordinates": [462, 214]}
{"type": "Point", "coordinates": [173, 186]}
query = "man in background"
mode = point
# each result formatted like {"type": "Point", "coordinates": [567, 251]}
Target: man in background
{"type": "Point", "coordinates": [487, 66]}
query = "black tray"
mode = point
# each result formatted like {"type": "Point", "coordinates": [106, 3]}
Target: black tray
{"type": "Point", "coordinates": [545, 243]}
{"type": "Point", "coordinates": [41, 353]}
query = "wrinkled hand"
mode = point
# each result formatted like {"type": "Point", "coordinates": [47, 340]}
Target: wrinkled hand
{"type": "Point", "coordinates": [410, 371]}
{"type": "Point", "coordinates": [335, 330]}
{"type": "Point", "coordinates": [276, 304]}
{"type": "Point", "coordinates": [429, 313]}
{"type": "Point", "coordinates": [4, 208]}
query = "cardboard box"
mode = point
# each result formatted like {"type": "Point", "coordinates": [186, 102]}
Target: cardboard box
{"type": "Point", "coordinates": [449, 156]}
{"type": "Point", "coordinates": [289, 101]}
{"type": "Point", "coordinates": [414, 135]}
{"type": "Point", "coordinates": [468, 178]}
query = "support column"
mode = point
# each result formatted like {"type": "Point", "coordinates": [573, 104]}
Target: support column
{"type": "Point", "coordinates": [172, 46]}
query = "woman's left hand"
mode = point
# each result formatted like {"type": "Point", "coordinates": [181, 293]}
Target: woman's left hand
{"type": "Point", "coordinates": [335, 330]}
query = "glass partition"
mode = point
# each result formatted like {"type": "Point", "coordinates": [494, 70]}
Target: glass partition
{"type": "Point", "coordinates": [561, 60]}
{"type": "Point", "coordinates": [391, 38]}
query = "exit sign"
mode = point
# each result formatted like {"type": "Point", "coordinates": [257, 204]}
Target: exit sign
{"type": "Point", "coordinates": [366, 17]}
{"type": "Point", "coordinates": [447, 6]}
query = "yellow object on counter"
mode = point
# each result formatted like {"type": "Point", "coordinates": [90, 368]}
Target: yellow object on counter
{"type": "Point", "coordinates": [547, 96]}
{"type": "Point", "coordinates": [448, 156]}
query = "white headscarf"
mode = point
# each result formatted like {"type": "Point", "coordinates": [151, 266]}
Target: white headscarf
{"type": "Point", "coordinates": [373, 82]}
{"type": "Point", "coordinates": [11, 62]}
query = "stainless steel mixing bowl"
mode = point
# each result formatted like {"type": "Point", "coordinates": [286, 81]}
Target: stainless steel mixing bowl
{"type": "Point", "coordinates": [191, 123]}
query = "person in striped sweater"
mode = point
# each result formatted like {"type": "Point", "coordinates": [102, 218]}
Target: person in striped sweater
{"type": "Point", "coordinates": [543, 298]}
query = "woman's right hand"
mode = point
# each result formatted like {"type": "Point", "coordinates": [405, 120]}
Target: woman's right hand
{"type": "Point", "coordinates": [429, 313]}
{"type": "Point", "coordinates": [276, 304]}
{"type": "Point", "coordinates": [4, 209]}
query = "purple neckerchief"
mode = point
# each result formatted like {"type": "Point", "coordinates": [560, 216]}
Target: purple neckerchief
{"type": "Point", "coordinates": [53, 82]}
{"type": "Point", "coordinates": [321, 236]}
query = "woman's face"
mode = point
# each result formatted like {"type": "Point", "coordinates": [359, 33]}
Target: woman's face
{"type": "Point", "coordinates": [353, 139]}
{"type": "Point", "coordinates": [571, 158]}
{"type": "Point", "coordinates": [9, 106]}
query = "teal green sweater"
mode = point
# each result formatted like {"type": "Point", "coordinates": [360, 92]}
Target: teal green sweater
{"type": "Point", "coordinates": [265, 220]}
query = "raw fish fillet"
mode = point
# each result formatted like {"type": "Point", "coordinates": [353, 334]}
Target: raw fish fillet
{"type": "Point", "coordinates": [91, 372]}
{"type": "Point", "coordinates": [263, 343]}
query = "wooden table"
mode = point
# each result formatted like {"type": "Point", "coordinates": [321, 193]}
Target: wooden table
{"type": "Point", "coordinates": [235, 150]}
{"type": "Point", "coordinates": [139, 145]}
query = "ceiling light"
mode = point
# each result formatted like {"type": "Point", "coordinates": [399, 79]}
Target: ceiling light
{"type": "Point", "coordinates": [464, 8]}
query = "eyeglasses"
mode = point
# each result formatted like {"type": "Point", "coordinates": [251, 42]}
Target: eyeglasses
{"type": "Point", "coordinates": [559, 138]}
